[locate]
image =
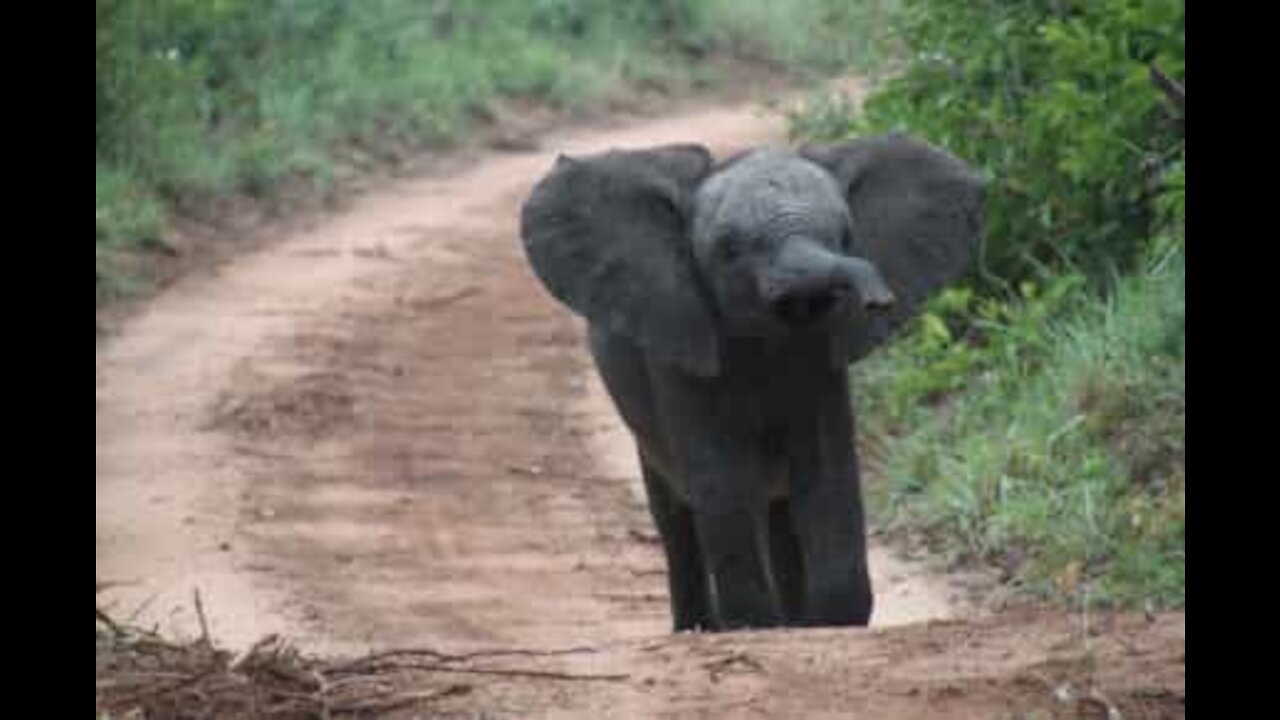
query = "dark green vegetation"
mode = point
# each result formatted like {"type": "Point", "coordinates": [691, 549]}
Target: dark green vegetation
{"type": "Point", "coordinates": [1036, 417]}
{"type": "Point", "coordinates": [202, 98]}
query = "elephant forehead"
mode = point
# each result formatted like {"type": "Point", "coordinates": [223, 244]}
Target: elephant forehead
{"type": "Point", "coordinates": [770, 186]}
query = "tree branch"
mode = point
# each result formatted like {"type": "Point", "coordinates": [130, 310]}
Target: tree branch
{"type": "Point", "coordinates": [1172, 89]}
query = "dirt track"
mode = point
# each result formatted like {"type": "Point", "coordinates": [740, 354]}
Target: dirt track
{"type": "Point", "coordinates": [379, 431]}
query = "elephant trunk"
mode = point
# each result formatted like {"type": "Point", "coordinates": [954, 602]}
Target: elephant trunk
{"type": "Point", "coordinates": [806, 276]}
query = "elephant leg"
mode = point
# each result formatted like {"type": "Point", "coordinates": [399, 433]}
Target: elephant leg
{"type": "Point", "coordinates": [713, 436]}
{"type": "Point", "coordinates": [837, 588]}
{"type": "Point", "coordinates": [686, 575]}
{"type": "Point", "coordinates": [788, 562]}
{"type": "Point", "coordinates": [826, 508]}
{"type": "Point", "coordinates": [734, 541]}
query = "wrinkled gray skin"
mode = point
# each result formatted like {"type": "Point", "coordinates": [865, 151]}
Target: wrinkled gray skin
{"type": "Point", "coordinates": [724, 305]}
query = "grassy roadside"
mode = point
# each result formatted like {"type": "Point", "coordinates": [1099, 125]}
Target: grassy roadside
{"type": "Point", "coordinates": [243, 98]}
{"type": "Point", "coordinates": [1049, 440]}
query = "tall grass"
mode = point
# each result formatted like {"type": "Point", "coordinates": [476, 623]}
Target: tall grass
{"type": "Point", "coordinates": [1055, 448]}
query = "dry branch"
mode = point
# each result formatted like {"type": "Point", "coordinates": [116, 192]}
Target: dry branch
{"type": "Point", "coordinates": [440, 301]}
{"type": "Point", "coordinates": [400, 700]}
{"type": "Point", "coordinates": [514, 672]}
{"type": "Point", "coordinates": [142, 673]}
{"type": "Point", "coordinates": [111, 624]}
{"type": "Point", "coordinates": [446, 657]}
{"type": "Point", "coordinates": [204, 624]}
{"type": "Point", "coordinates": [1172, 89]}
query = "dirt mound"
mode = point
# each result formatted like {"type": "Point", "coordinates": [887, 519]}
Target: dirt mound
{"type": "Point", "coordinates": [1023, 665]}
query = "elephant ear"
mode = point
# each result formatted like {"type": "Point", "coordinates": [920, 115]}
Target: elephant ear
{"type": "Point", "coordinates": [917, 215]}
{"type": "Point", "coordinates": [607, 235]}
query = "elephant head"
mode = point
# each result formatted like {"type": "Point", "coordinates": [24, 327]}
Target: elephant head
{"type": "Point", "coordinates": [664, 247]}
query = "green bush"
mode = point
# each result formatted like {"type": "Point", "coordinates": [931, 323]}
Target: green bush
{"type": "Point", "coordinates": [128, 214]}
{"type": "Point", "coordinates": [1054, 100]}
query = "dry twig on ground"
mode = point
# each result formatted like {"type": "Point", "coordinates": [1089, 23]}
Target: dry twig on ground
{"type": "Point", "coordinates": [142, 673]}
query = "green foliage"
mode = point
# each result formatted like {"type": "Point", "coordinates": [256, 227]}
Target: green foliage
{"type": "Point", "coordinates": [128, 213]}
{"type": "Point", "coordinates": [960, 335]}
{"type": "Point", "coordinates": [125, 210]}
{"type": "Point", "coordinates": [1053, 99]}
{"type": "Point", "coordinates": [1055, 440]}
{"type": "Point", "coordinates": [832, 35]}
{"type": "Point", "coordinates": [198, 97]}
{"type": "Point", "coordinates": [823, 116]}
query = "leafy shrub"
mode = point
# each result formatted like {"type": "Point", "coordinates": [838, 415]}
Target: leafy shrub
{"type": "Point", "coordinates": [1054, 100]}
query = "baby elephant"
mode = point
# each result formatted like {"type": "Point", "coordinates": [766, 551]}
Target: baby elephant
{"type": "Point", "coordinates": [724, 304]}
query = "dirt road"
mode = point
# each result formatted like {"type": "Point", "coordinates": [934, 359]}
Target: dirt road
{"type": "Point", "coordinates": [379, 431]}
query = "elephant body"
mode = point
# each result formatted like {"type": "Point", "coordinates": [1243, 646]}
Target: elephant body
{"type": "Point", "coordinates": [724, 304]}
{"type": "Point", "coordinates": [782, 441]}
